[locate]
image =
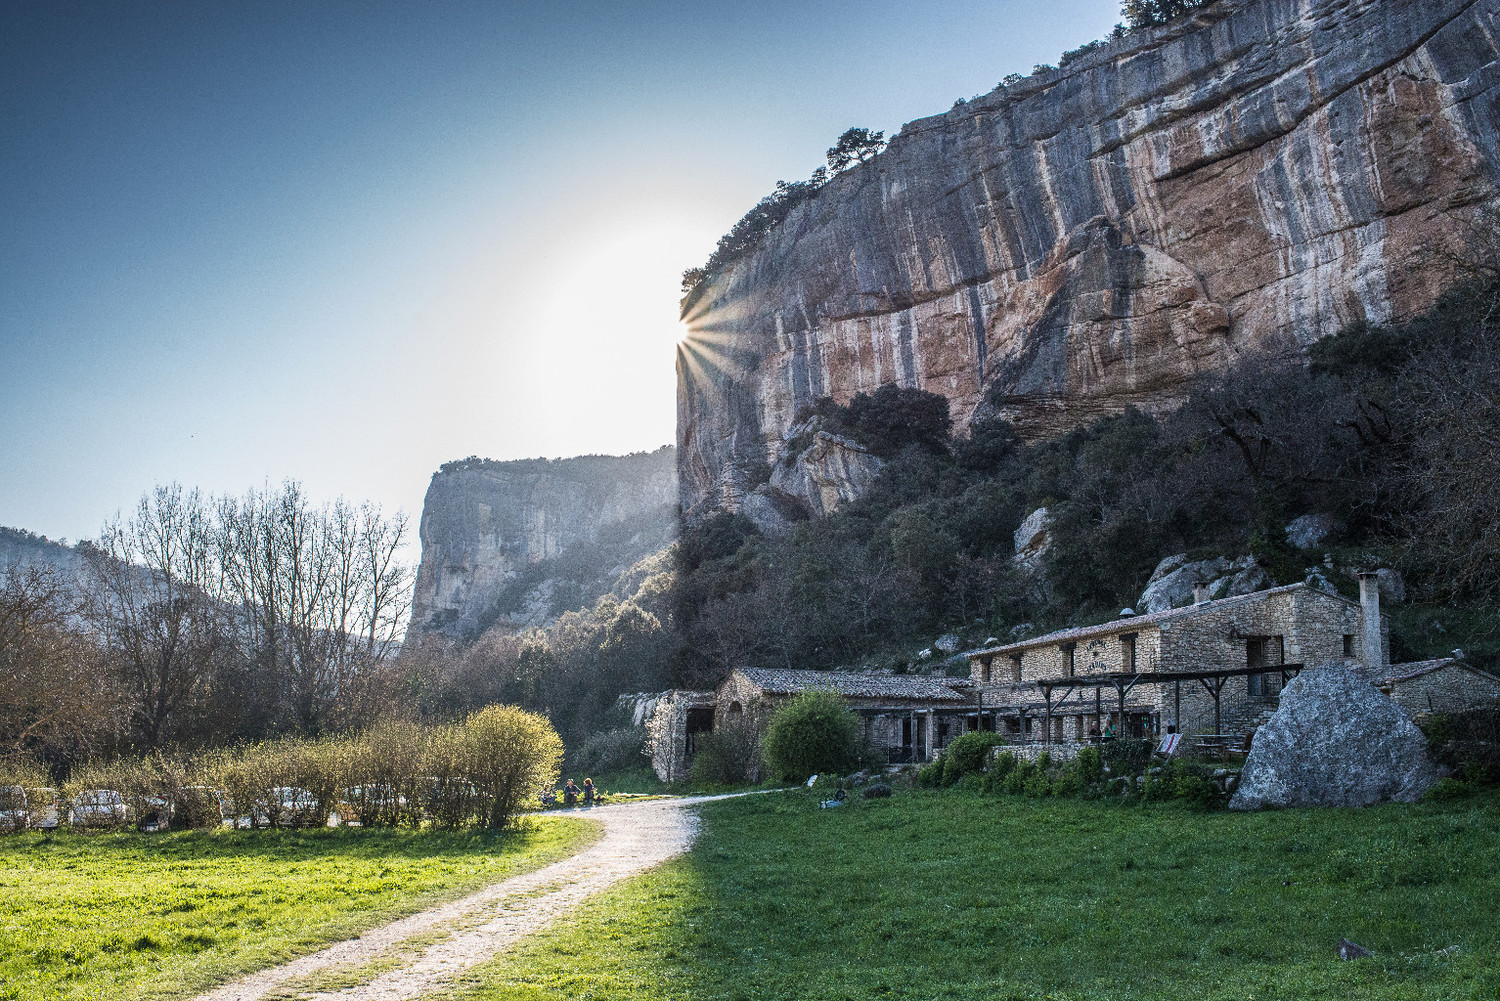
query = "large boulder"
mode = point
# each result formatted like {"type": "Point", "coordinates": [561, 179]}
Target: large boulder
{"type": "Point", "coordinates": [829, 472]}
{"type": "Point", "coordinates": [1335, 741]}
{"type": "Point", "coordinates": [1311, 530]}
{"type": "Point", "coordinates": [1033, 538]}
{"type": "Point", "coordinates": [1172, 583]}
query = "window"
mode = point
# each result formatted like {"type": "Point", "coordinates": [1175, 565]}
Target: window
{"type": "Point", "coordinates": [1348, 645]}
{"type": "Point", "coordinates": [985, 667]}
{"type": "Point", "coordinates": [1127, 652]}
{"type": "Point", "coordinates": [1015, 667]}
{"type": "Point", "coordinates": [1069, 650]}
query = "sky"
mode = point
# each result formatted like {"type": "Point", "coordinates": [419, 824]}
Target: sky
{"type": "Point", "coordinates": [344, 243]}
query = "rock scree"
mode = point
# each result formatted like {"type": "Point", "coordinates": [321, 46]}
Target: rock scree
{"type": "Point", "coordinates": [1335, 741]}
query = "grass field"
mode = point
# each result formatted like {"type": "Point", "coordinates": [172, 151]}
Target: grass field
{"type": "Point", "coordinates": [959, 895]}
{"type": "Point", "coordinates": [131, 915]}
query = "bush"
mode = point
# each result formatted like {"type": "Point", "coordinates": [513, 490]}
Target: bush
{"type": "Point", "coordinates": [967, 754]}
{"type": "Point", "coordinates": [999, 771]}
{"type": "Point", "coordinates": [877, 791]}
{"type": "Point", "coordinates": [1090, 765]}
{"type": "Point", "coordinates": [509, 754]}
{"type": "Point", "coordinates": [724, 757]}
{"type": "Point", "coordinates": [1127, 756]}
{"type": "Point", "coordinates": [1447, 788]}
{"type": "Point", "coordinates": [386, 762]}
{"type": "Point", "coordinates": [930, 775]}
{"type": "Point", "coordinates": [813, 733]}
{"type": "Point", "coordinates": [610, 751]}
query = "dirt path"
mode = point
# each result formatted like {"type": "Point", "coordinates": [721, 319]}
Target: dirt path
{"type": "Point", "coordinates": [409, 957]}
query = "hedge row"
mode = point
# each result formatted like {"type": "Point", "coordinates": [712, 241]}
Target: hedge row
{"type": "Point", "coordinates": [1120, 769]}
{"type": "Point", "coordinates": [475, 773]}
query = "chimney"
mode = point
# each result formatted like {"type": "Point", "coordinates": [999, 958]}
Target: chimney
{"type": "Point", "coordinates": [1369, 606]}
{"type": "Point", "coordinates": [1200, 593]}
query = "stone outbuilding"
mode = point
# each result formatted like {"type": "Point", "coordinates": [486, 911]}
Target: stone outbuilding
{"type": "Point", "coordinates": [1448, 684]}
{"type": "Point", "coordinates": [909, 717]}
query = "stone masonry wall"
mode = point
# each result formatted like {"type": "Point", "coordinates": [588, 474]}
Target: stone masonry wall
{"type": "Point", "coordinates": [1448, 689]}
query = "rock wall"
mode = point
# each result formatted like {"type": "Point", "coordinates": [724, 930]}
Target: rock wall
{"type": "Point", "coordinates": [515, 543]}
{"type": "Point", "coordinates": [1250, 179]}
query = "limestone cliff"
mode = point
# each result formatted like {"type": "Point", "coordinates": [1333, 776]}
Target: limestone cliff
{"type": "Point", "coordinates": [1253, 178]}
{"type": "Point", "coordinates": [516, 543]}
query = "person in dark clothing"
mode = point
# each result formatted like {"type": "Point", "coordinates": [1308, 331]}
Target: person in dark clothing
{"type": "Point", "coordinates": [570, 794]}
{"type": "Point", "coordinates": [588, 792]}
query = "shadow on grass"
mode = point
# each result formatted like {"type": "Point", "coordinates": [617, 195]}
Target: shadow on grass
{"type": "Point", "coordinates": [952, 895]}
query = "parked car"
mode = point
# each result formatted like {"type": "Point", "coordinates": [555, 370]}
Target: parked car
{"type": "Point", "coordinates": [155, 813]}
{"type": "Point", "coordinates": [198, 807]}
{"type": "Point", "coordinates": [99, 808]}
{"type": "Point", "coordinates": [367, 804]}
{"type": "Point", "coordinates": [288, 806]}
{"type": "Point", "coordinates": [45, 807]}
{"type": "Point", "coordinates": [14, 814]}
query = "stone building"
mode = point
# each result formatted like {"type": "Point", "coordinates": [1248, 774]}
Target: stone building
{"type": "Point", "coordinates": [910, 717]}
{"type": "Point", "coordinates": [1278, 629]}
{"type": "Point", "coordinates": [1448, 684]}
{"type": "Point", "coordinates": [1212, 670]}
{"type": "Point", "coordinates": [672, 730]}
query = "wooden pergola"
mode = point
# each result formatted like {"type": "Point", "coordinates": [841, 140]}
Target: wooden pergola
{"type": "Point", "coordinates": [1123, 681]}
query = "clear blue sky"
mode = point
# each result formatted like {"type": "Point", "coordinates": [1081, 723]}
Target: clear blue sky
{"type": "Point", "coordinates": [346, 242]}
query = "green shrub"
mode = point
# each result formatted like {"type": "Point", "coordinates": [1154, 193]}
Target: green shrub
{"type": "Point", "coordinates": [1197, 790]}
{"type": "Point", "coordinates": [813, 733]}
{"type": "Point", "coordinates": [724, 757]}
{"type": "Point", "coordinates": [509, 755]}
{"type": "Point", "coordinates": [999, 771]}
{"type": "Point", "coordinates": [1446, 789]}
{"type": "Point", "coordinates": [1127, 756]}
{"type": "Point", "coordinates": [1019, 778]}
{"type": "Point", "coordinates": [1038, 785]}
{"type": "Point", "coordinates": [931, 774]}
{"type": "Point", "coordinates": [1090, 765]}
{"type": "Point", "coordinates": [1068, 783]}
{"type": "Point", "coordinates": [967, 754]}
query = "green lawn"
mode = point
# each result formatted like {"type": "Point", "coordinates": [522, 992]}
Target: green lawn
{"type": "Point", "coordinates": [157, 915]}
{"type": "Point", "coordinates": [959, 895]}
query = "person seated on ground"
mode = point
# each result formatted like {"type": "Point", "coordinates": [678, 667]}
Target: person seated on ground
{"type": "Point", "coordinates": [588, 792]}
{"type": "Point", "coordinates": [570, 794]}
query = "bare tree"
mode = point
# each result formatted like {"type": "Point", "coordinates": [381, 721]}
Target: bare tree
{"type": "Point", "coordinates": [150, 599]}
{"type": "Point", "coordinates": [324, 598]}
{"type": "Point", "coordinates": [54, 699]}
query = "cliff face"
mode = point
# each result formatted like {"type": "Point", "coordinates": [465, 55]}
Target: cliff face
{"type": "Point", "coordinates": [1097, 236]}
{"type": "Point", "coordinates": [516, 543]}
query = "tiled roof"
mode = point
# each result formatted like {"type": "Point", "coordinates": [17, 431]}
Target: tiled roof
{"type": "Point", "coordinates": [1417, 668]}
{"type": "Point", "coordinates": [856, 685]}
{"type": "Point", "coordinates": [1134, 622]}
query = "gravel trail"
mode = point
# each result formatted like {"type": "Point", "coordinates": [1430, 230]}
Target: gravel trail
{"type": "Point", "coordinates": [467, 932]}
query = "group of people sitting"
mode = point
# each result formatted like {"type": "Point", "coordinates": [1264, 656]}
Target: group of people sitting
{"type": "Point", "coordinates": [571, 793]}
